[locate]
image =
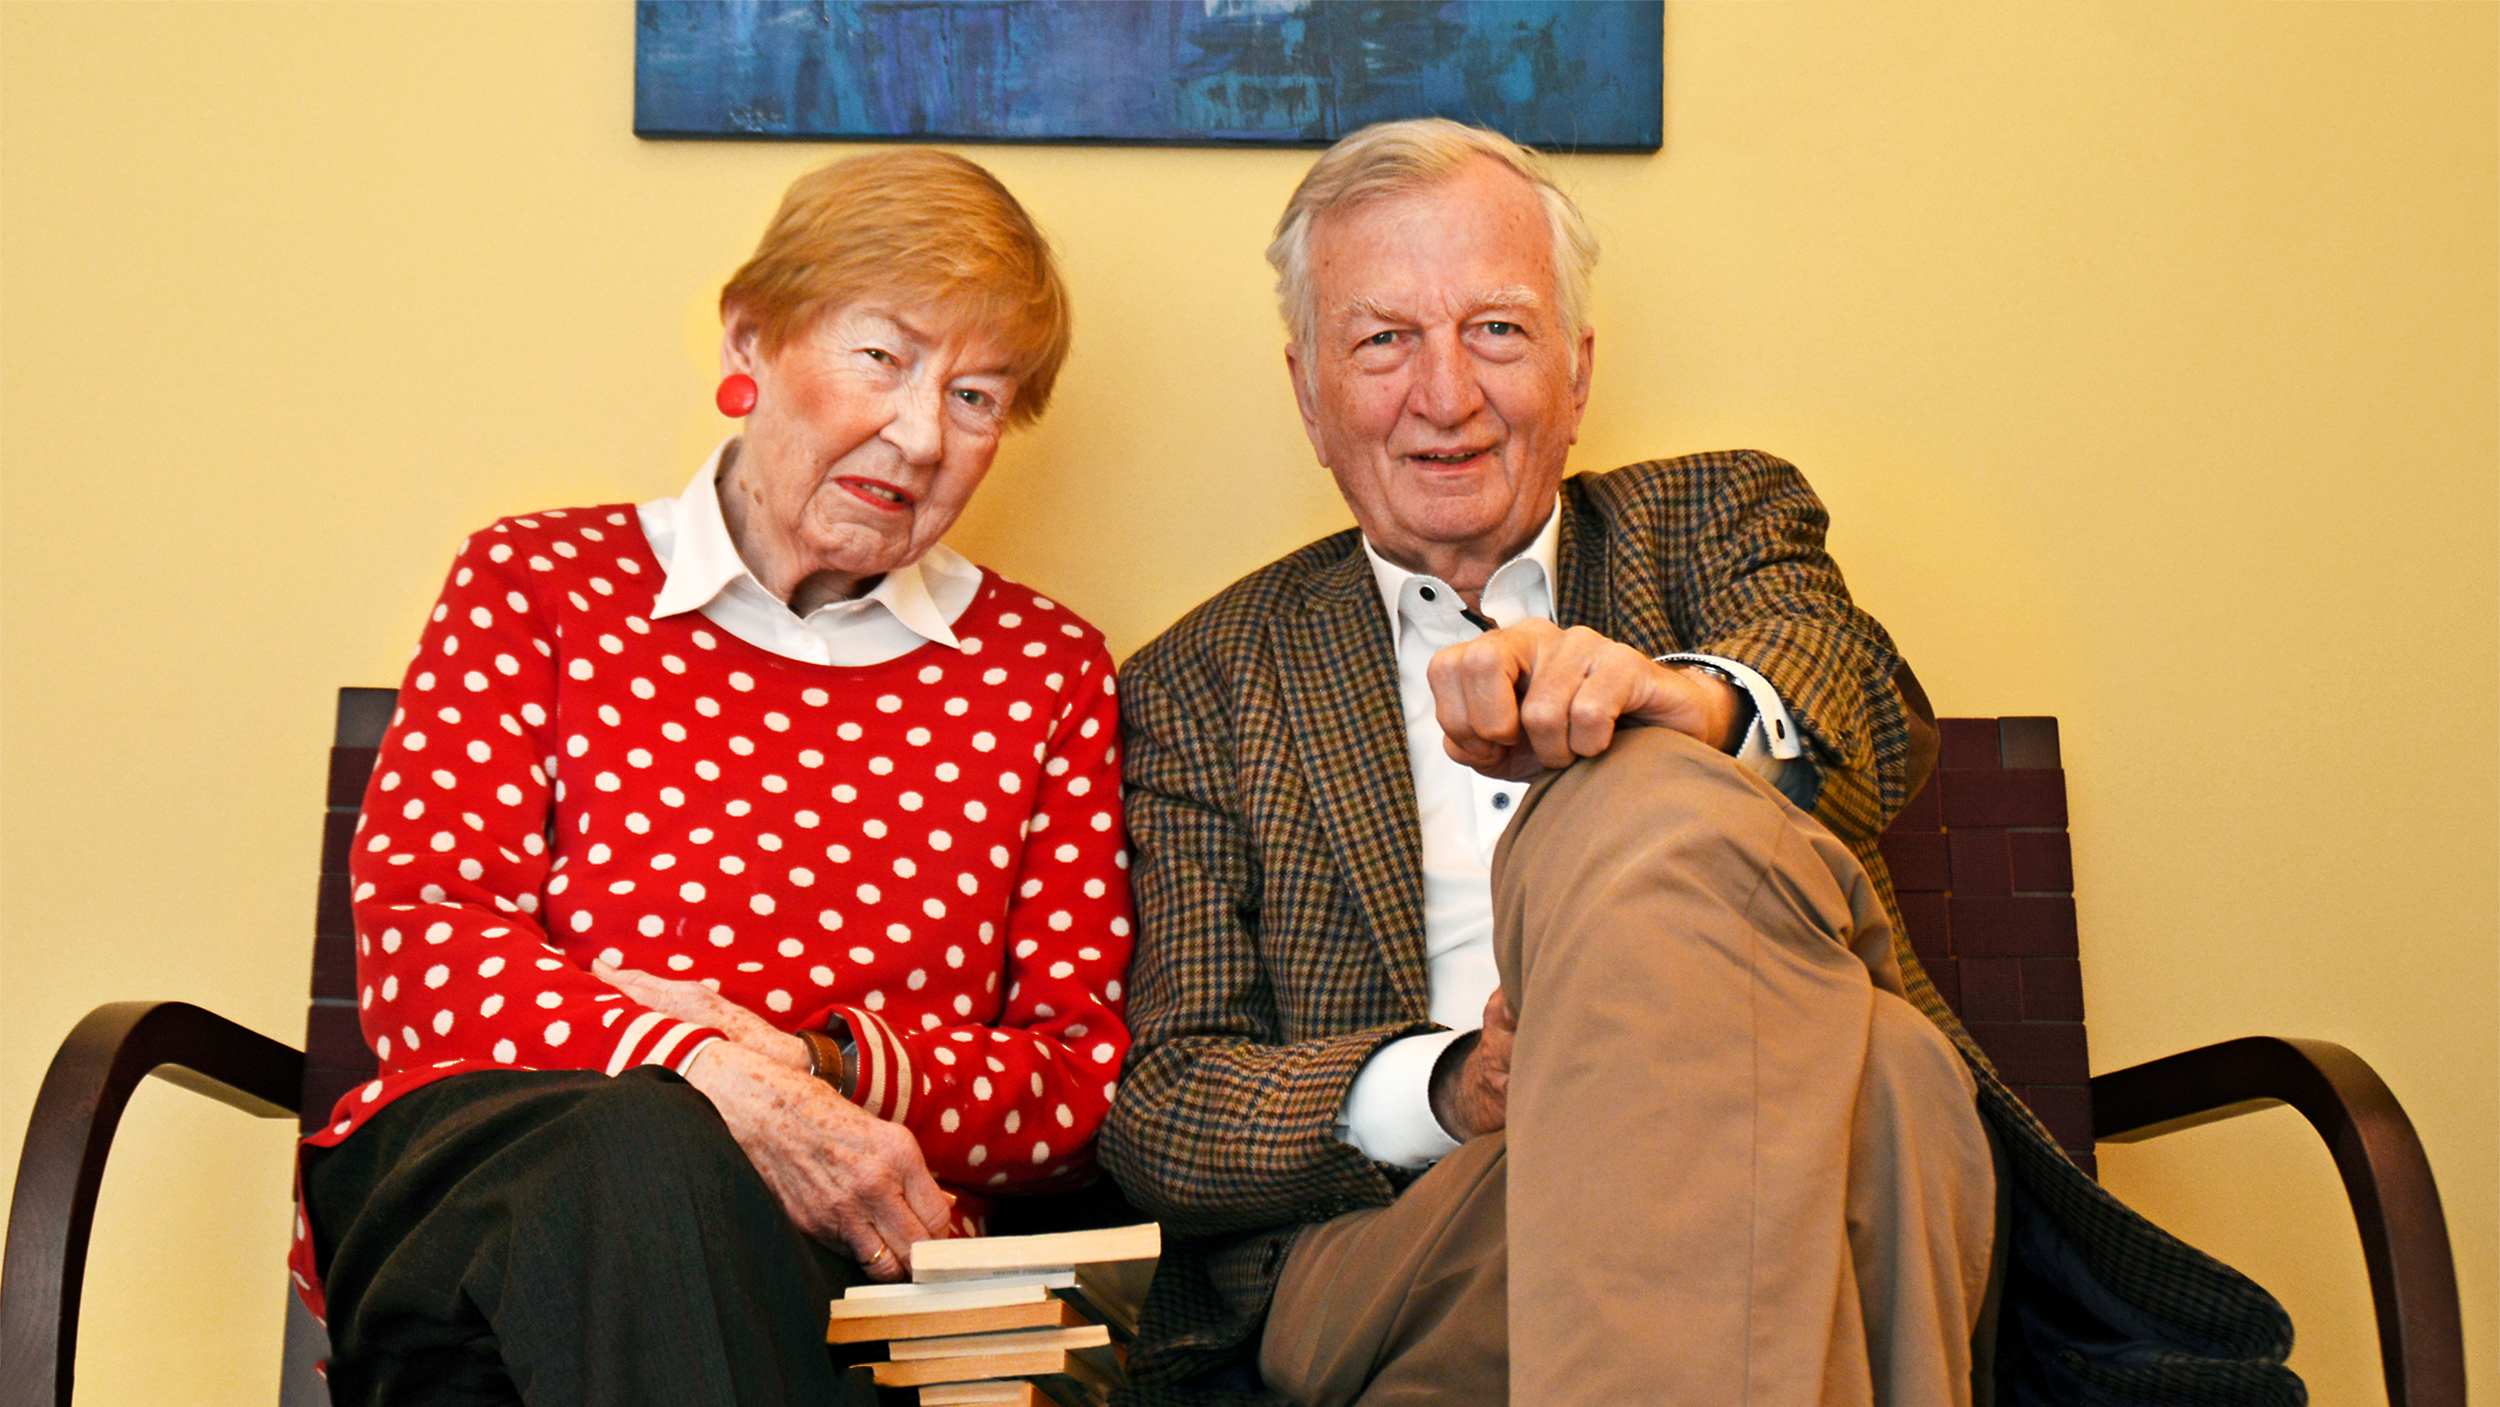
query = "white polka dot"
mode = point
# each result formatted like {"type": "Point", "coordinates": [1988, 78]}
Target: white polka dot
{"type": "Point", "coordinates": [761, 903]}
{"type": "Point", "coordinates": [721, 935]}
{"type": "Point", "coordinates": [558, 1032]}
{"type": "Point", "coordinates": [778, 1000]}
{"type": "Point", "coordinates": [977, 1156]}
{"type": "Point", "coordinates": [1041, 1152]}
{"type": "Point", "coordinates": [505, 1052]}
{"type": "Point", "coordinates": [691, 892]}
{"type": "Point", "coordinates": [821, 976]}
{"type": "Point", "coordinates": [829, 920]}
{"type": "Point", "coordinates": [679, 962]}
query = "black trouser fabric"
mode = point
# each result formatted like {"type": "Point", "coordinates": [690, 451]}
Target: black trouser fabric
{"type": "Point", "coordinates": [562, 1238]}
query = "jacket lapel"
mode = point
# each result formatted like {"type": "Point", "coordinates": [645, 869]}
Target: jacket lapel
{"type": "Point", "coordinates": [1340, 687]}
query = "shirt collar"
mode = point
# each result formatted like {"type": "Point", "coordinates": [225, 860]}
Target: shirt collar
{"type": "Point", "coordinates": [1520, 588]}
{"type": "Point", "coordinates": [701, 562]}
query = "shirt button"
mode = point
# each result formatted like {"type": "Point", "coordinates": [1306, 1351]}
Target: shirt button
{"type": "Point", "coordinates": [1427, 593]}
{"type": "Point", "coordinates": [1501, 801]}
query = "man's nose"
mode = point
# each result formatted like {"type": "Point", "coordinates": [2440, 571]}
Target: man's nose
{"type": "Point", "coordinates": [918, 429]}
{"type": "Point", "coordinates": [1446, 391]}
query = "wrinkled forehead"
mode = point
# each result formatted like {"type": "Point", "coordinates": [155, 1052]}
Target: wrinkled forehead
{"type": "Point", "coordinates": [1476, 242]}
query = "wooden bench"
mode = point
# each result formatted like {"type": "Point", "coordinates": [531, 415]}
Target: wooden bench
{"type": "Point", "coordinates": [1979, 858]}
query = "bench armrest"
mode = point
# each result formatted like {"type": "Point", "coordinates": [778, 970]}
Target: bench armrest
{"type": "Point", "coordinates": [68, 1138]}
{"type": "Point", "coordinates": [2387, 1177]}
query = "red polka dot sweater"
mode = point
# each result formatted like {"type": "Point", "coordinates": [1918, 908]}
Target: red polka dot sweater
{"type": "Point", "coordinates": [930, 849]}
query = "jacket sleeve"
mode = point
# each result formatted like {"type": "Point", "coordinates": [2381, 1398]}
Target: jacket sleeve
{"type": "Point", "coordinates": [1747, 577]}
{"type": "Point", "coordinates": [1224, 1122]}
{"type": "Point", "coordinates": [1008, 1097]}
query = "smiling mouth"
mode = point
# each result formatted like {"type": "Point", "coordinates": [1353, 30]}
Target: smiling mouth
{"type": "Point", "coordinates": [1449, 458]}
{"type": "Point", "coordinates": [879, 495]}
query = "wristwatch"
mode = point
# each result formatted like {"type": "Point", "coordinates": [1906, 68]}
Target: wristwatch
{"type": "Point", "coordinates": [1743, 721]}
{"type": "Point", "coordinates": [832, 1056]}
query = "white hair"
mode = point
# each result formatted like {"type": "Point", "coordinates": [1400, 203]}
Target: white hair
{"type": "Point", "coordinates": [1401, 158]}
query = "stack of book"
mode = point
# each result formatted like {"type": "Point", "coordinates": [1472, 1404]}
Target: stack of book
{"type": "Point", "coordinates": [1008, 1319]}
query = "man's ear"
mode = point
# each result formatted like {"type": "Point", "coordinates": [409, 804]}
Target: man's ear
{"type": "Point", "coordinates": [1580, 379]}
{"type": "Point", "coordinates": [1305, 398]}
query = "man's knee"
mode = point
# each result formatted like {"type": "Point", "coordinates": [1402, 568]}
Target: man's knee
{"type": "Point", "coordinates": [1913, 1058]}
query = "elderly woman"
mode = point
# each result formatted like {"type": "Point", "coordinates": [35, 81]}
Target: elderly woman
{"type": "Point", "coordinates": [739, 893]}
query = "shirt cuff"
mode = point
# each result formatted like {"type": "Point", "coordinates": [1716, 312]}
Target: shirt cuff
{"type": "Point", "coordinates": [1771, 749]}
{"type": "Point", "coordinates": [1388, 1113]}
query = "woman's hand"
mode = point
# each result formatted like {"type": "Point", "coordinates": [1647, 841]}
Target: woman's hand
{"type": "Point", "coordinates": [692, 1001]}
{"type": "Point", "coordinates": [844, 1176]}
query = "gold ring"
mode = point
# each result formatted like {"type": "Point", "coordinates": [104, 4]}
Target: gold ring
{"type": "Point", "coordinates": [882, 1253]}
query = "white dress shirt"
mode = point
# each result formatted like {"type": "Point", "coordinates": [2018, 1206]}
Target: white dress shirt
{"type": "Point", "coordinates": [1461, 814]}
{"type": "Point", "coordinates": [910, 606]}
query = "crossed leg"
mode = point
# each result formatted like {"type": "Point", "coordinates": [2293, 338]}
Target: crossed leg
{"type": "Point", "coordinates": [1739, 1167]}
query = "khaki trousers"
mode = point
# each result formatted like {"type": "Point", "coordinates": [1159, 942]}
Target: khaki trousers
{"type": "Point", "coordinates": [1741, 1168]}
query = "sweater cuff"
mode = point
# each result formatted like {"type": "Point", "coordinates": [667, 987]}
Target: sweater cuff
{"type": "Point", "coordinates": [887, 1080]}
{"type": "Point", "coordinates": [655, 1039]}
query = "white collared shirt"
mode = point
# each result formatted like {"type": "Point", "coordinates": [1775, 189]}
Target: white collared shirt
{"type": "Point", "coordinates": [1461, 814]}
{"type": "Point", "coordinates": [911, 605]}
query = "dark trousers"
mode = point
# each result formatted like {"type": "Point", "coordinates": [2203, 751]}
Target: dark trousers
{"type": "Point", "coordinates": [561, 1238]}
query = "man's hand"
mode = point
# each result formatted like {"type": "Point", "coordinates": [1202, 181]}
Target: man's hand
{"type": "Point", "coordinates": [1471, 1082]}
{"type": "Point", "coordinates": [1534, 697]}
{"type": "Point", "coordinates": [844, 1176]}
{"type": "Point", "coordinates": [692, 1001]}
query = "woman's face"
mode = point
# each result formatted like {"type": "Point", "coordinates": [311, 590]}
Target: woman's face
{"type": "Point", "coordinates": [870, 431]}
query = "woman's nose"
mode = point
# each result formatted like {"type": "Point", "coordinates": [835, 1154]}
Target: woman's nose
{"type": "Point", "coordinates": [918, 429]}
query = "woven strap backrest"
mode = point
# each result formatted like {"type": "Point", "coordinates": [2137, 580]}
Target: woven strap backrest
{"type": "Point", "coordinates": [1979, 858]}
{"type": "Point", "coordinates": [336, 1058]}
{"type": "Point", "coordinates": [1986, 879]}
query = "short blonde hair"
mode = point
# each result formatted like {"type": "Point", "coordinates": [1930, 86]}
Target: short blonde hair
{"type": "Point", "coordinates": [920, 225]}
{"type": "Point", "coordinates": [1401, 158]}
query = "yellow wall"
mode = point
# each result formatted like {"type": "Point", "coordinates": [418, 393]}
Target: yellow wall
{"type": "Point", "coordinates": [2145, 353]}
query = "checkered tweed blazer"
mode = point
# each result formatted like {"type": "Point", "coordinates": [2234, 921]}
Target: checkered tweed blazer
{"type": "Point", "coordinates": [1280, 899]}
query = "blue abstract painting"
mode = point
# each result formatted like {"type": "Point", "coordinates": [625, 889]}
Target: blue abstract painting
{"type": "Point", "coordinates": [1573, 75]}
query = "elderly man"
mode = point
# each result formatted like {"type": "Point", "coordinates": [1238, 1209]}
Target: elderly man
{"type": "Point", "coordinates": [1614, 1088]}
{"type": "Point", "coordinates": [1693, 1144]}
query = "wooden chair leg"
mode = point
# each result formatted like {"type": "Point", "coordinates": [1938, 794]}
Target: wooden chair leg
{"type": "Point", "coordinates": [2387, 1177]}
{"type": "Point", "coordinates": [68, 1138]}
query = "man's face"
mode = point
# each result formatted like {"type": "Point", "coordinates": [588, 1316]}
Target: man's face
{"type": "Point", "coordinates": [1439, 388]}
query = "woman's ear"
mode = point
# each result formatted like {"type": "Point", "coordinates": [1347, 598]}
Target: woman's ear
{"type": "Point", "coordinates": [740, 337]}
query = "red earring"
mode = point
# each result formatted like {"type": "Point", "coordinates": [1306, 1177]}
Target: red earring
{"type": "Point", "coordinates": [736, 395]}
